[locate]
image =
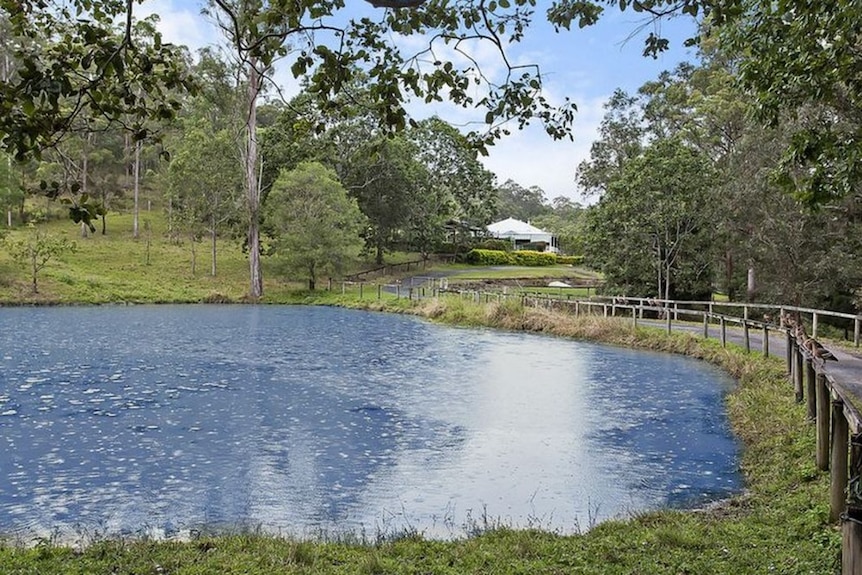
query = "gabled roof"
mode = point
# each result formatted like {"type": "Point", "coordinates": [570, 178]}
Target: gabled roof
{"type": "Point", "coordinates": [511, 226]}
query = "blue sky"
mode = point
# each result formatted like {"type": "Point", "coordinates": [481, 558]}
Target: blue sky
{"type": "Point", "coordinates": [585, 65]}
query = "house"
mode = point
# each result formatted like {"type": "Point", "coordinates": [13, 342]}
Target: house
{"type": "Point", "coordinates": [524, 236]}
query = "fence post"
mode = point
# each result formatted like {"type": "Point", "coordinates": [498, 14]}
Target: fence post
{"type": "Point", "coordinates": [397, 291]}
{"type": "Point", "coordinates": [675, 311]}
{"type": "Point", "coordinates": [765, 341]}
{"type": "Point", "coordinates": [814, 325]}
{"type": "Point", "coordinates": [706, 326]}
{"type": "Point", "coordinates": [790, 344]}
{"type": "Point", "coordinates": [851, 548]}
{"type": "Point", "coordinates": [745, 339]}
{"type": "Point", "coordinates": [823, 413]}
{"type": "Point", "coordinates": [723, 331]}
{"type": "Point", "coordinates": [797, 375]}
{"type": "Point", "coordinates": [361, 285]}
{"type": "Point", "coordinates": [840, 441]}
{"type": "Point", "coordinates": [811, 389]}
{"type": "Point", "coordinates": [668, 321]}
{"type": "Point", "coordinates": [379, 290]}
{"type": "Point", "coordinates": [343, 288]}
{"type": "Point", "coordinates": [577, 308]}
{"type": "Point", "coordinates": [634, 318]}
{"type": "Point", "coordinates": [856, 332]}
{"type": "Point", "coordinates": [329, 288]}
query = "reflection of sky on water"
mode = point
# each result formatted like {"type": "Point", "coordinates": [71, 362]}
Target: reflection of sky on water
{"type": "Point", "coordinates": [306, 419]}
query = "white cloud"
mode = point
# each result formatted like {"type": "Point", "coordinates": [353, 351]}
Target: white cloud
{"type": "Point", "coordinates": [180, 22]}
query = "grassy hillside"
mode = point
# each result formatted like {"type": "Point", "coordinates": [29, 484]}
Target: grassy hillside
{"type": "Point", "coordinates": [156, 268]}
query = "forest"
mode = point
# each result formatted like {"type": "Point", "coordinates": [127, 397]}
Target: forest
{"type": "Point", "coordinates": [734, 174]}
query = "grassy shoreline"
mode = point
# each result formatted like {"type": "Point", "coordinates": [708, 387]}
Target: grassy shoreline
{"type": "Point", "coordinates": [780, 525]}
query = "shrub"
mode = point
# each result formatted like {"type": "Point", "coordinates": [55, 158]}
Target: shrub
{"type": "Point", "coordinates": [531, 258]}
{"type": "Point", "coordinates": [517, 258]}
{"type": "Point", "coordinates": [495, 244]}
{"type": "Point", "coordinates": [481, 257]}
{"type": "Point", "coordinates": [570, 260]}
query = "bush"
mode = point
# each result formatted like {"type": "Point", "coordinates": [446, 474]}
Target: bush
{"type": "Point", "coordinates": [480, 257]}
{"type": "Point", "coordinates": [495, 244]}
{"type": "Point", "coordinates": [570, 260]}
{"type": "Point", "coordinates": [531, 258]}
{"type": "Point", "coordinates": [488, 258]}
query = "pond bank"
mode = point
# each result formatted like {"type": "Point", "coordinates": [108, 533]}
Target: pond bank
{"type": "Point", "coordinates": [781, 524]}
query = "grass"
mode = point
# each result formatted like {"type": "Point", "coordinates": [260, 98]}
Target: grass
{"type": "Point", "coordinates": [465, 272]}
{"type": "Point", "coordinates": [780, 525]}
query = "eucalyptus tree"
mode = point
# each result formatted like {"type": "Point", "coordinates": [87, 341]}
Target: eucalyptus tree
{"type": "Point", "coordinates": [516, 201]}
{"type": "Point", "coordinates": [204, 183]}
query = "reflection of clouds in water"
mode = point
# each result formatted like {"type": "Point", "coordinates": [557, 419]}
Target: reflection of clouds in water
{"type": "Point", "coordinates": [298, 419]}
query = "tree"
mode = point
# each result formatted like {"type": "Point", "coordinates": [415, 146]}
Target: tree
{"type": "Point", "coordinates": [36, 249]}
{"type": "Point", "coordinates": [621, 139]}
{"type": "Point", "coordinates": [204, 185]}
{"type": "Point", "coordinates": [11, 194]}
{"type": "Point", "coordinates": [516, 201]}
{"type": "Point", "coordinates": [661, 206]}
{"type": "Point", "coordinates": [566, 222]}
{"type": "Point", "coordinates": [802, 60]}
{"type": "Point", "coordinates": [81, 59]}
{"type": "Point", "coordinates": [315, 223]}
{"type": "Point", "coordinates": [388, 183]}
{"type": "Point", "coordinates": [457, 175]}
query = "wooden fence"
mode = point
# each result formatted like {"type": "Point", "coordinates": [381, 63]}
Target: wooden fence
{"type": "Point", "coordinates": [831, 395]}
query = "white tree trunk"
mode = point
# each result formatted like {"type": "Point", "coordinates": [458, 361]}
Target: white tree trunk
{"type": "Point", "coordinates": [252, 188]}
{"type": "Point", "coordinates": [137, 187]}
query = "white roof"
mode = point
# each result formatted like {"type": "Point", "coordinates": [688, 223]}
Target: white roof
{"type": "Point", "coordinates": [511, 226]}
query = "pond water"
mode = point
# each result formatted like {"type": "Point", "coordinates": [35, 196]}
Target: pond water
{"type": "Point", "coordinates": [162, 420]}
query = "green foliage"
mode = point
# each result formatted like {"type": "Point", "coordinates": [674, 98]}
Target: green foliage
{"type": "Point", "coordinates": [570, 260]}
{"type": "Point", "coordinates": [802, 61]}
{"type": "Point", "coordinates": [650, 232]}
{"type": "Point", "coordinates": [483, 257]}
{"type": "Point", "coordinates": [35, 250]}
{"type": "Point", "coordinates": [494, 244]}
{"type": "Point", "coordinates": [480, 257]}
{"type": "Point", "coordinates": [315, 224]}
{"type": "Point", "coordinates": [516, 201]}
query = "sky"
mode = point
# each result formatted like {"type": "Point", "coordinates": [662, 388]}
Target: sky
{"type": "Point", "coordinates": [585, 65]}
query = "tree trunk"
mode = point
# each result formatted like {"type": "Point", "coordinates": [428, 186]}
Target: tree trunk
{"type": "Point", "coordinates": [379, 256]}
{"type": "Point", "coordinates": [194, 254]}
{"type": "Point", "coordinates": [750, 287]}
{"type": "Point", "coordinates": [84, 178]}
{"type": "Point", "coordinates": [137, 187]}
{"type": "Point", "coordinates": [252, 188]}
{"type": "Point", "coordinates": [213, 237]}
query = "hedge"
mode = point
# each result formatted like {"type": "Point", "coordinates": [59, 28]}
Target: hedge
{"type": "Point", "coordinates": [517, 258]}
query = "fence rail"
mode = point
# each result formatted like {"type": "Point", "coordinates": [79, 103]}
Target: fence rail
{"type": "Point", "coordinates": [832, 395]}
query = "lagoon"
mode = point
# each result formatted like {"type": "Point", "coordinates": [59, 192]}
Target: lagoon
{"type": "Point", "coordinates": [308, 421]}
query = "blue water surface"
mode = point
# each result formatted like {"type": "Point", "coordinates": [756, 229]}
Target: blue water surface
{"type": "Point", "coordinates": [164, 420]}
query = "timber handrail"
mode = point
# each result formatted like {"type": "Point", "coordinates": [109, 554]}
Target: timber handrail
{"type": "Point", "coordinates": [832, 396]}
